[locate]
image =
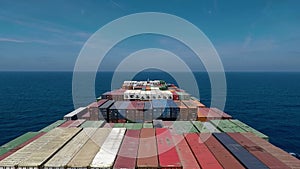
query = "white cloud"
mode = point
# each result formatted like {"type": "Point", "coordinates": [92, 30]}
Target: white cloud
{"type": "Point", "coordinates": [11, 40]}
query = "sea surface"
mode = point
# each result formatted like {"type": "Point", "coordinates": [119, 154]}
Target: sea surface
{"type": "Point", "coordinates": [269, 102]}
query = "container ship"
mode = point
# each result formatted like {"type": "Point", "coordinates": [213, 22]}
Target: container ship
{"type": "Point", "coordinates": [145, 124]}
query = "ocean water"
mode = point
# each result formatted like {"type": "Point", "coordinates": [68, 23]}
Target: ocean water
{"type": "Point", "coordinates": [269, 102]}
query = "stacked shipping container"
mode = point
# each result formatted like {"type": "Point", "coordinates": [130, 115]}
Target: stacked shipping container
{"type": "Point", "coordinates": [94, 147]}
{"type": "Point", "coordinates": [147, 152]}
{"type": "Point", "coordinates": [127, 154]}
{"type": "Point", "coordinates": [107, 154]}
{"type": "Point", "coordinates": [86, 154]}
{"type": "Point", "coordinates": [62, 158]}
{"type": "Point", "coordinates": [167, 154]}
{"type": "Point", "coordinates": [160, 144]}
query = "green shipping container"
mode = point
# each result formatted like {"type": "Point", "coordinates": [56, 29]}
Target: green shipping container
{"type": "Point", "coordinates": [3, 150]}
{"type": "Point", "coordinates": [180, 127]}
{"type": "Point", "coordinates": [147, 125]}
{"type": "Point", "coordinates": [119, 125]}
{"type": "Point", "coordinates": [128, 125]}
{"type": "Point", "coordinates": [53, 125]}
{"type": "Point", "coordinates": [137, 126]}
{"type": "Point", "coordinates": [208, 128]}
{"type": "Point", "coordinates": [18, 141]}
{"type": "Point", "coordinates": [249, 129]}
{"type": "Point", "coordinates": [227, 126]}
{"type": "Point", "coordinates": [92, 124]}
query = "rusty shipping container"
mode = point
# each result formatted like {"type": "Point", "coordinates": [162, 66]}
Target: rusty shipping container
{"type": "Point", "coordinates": [147, 152]}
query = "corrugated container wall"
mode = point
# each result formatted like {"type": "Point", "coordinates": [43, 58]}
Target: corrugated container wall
{"type": "Point", "coordinates": [87, 153]}
{"type": "Point", "coordinates": [128, 152]}
{"type": "Point", "coordinates": [204, 157]}
{"type": "Point", "coordinates": [107, 154]}
{"type": "Point", "coordinates": [258, 152]}
{"type": "Point", "coordinates": [147, 152]}
{"type": "Point", "coordinates": [103, 115]}
{"type": "Point", "coordinates": [247, 159]}
{"type": "Point", "coordinates": [186, 156]}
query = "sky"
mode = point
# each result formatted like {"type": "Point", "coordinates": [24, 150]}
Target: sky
{"type": "Point", "coordinates": [256, 35]}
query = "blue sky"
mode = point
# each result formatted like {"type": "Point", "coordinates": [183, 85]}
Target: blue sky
{"type": "Point", "coordinates": [48, 35]}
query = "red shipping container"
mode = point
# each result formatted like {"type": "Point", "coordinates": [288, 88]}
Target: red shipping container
{"type": "Point", "coordinates": [72, 123]}
{"type": "Point", "coordinates": [226, 159]}
{"type": "Point", "coordinates": [139, 113]}
{"type": "Point", "coordinates": [206, 114]}
{"type": "Point", "coordinates": [204, 157]}
{"type": "Point", "coordinates": [139, 105]}
{"type": "Point", "coordinates": [86, 116]}
{"type": "Point", "coordinates": [223, 114]}
{"type": "Point", "coordinates": [128, 152]}
{"type": "Point", "coordinates": [258, 152]}
{"type": "Point", "coordinates": [147, 152]}
{"type": "Point", "coordinates": [77, 123]}
{"type": "Point", "coordinates": [121, 121]}
{"type": "Point", "coordinates": [21, 146]}
{"type": "Point", "coordinates": [67, 123]}
{"type": "Point", "coordinates": [185, 154]}
{"type": "Point", "coordinates": [167, 154]}
{"type": "Point", "coordinates": [93, 110]}
{"type": "Point", "coordinates": [94, 104]}
{"type": "Point", "coordinates": [175, 95]}
{"type": "Point", "coordinates": [211, 114]}
{"type": "Point", "coordinates": [199, 104]}
{"type": "Point", "coordinates": [183, 112]}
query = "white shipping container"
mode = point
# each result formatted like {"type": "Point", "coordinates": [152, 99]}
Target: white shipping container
{"type": "Point", "coordinates": [39, 146]}
{"type": "Point", "coordinates": [129, 94]}
{"type": "Point", "coordinates": [62, 158]}
{"type": "Point", "coordinates": [153, 94]}
{"type": "Point", "coordinates": [159, 94]}
{"type": "Point", "coordinates": [88, 152]}
{"type": "Point", "coordinates": [78, 112]}
{"type": "Point", "coordinates": [143, 95]}
{"type": "Point", "coordinates": [107, 154]}
{"type": "Point", "coordinates": [155, 82]}
{"type": "Point", "coordinates": [154, 88]}
{"type": "Point", "coordinates": [37, 158]}
{"type": "Point", "coordinates": [167, 94]}
{"type": "Point", "coordinates": [137, 94]}
{"type": "Point", "coordinates": [148, 95]}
